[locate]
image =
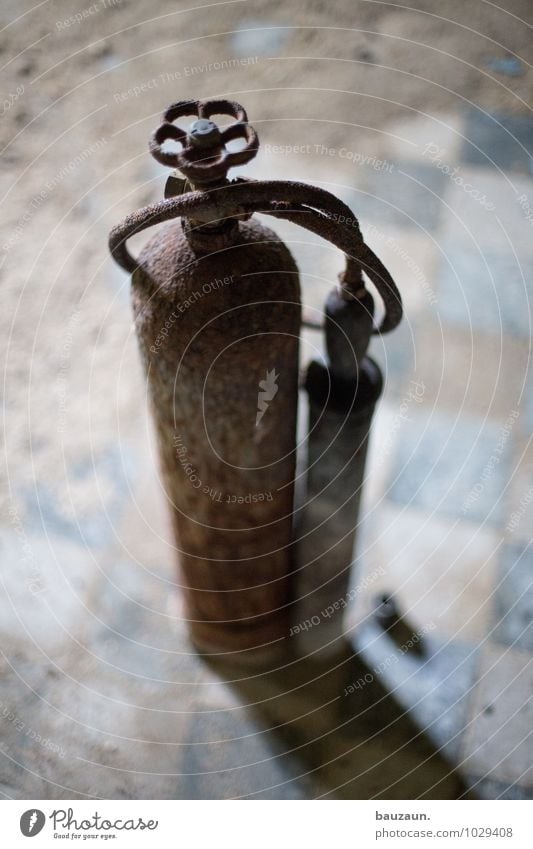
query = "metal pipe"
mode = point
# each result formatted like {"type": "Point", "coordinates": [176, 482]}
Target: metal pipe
{"type": "Point", "coordinates": [341, 400]}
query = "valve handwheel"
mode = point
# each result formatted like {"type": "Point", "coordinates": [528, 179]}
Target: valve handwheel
{"type": "Point", "coordinates": [204, 157]}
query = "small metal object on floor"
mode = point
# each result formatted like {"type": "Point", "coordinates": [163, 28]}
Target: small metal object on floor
{"type": "Point", "coordinates": [389, 617]}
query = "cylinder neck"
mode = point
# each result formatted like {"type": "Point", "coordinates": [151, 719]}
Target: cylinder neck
{"type": "Point", "coordinates": [207, 236]}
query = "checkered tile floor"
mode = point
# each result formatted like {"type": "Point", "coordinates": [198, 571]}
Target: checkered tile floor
{"type": "Point", "coordinates": [451, 518]}
{"type": "Point", "coordinates": [446, 526]}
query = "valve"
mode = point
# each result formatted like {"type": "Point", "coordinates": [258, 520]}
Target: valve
{"type": "Point", "coordinates": [204, 157]}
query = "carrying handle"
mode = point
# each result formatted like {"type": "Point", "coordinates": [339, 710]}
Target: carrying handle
{"type": "Point", "coordinates": [313, 208]}
{"type": "Point", "coordinates": [204, 159]}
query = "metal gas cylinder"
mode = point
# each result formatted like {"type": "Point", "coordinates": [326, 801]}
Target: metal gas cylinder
{"type": "Point", "coordinates": [216, 302]}
{"type": "Point", "coordinates": [228, 467]}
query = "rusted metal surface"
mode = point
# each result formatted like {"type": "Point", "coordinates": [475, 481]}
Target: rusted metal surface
{"type": "Point", "coordinates": [217, 311]}
{"type": "Point", "coordinates": [232, 512]}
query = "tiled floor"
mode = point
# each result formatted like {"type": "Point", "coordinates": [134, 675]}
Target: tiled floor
{"type": "Point", "coordinates": [441, 522]}
{"type": "Point", "coordinates": [98, 666]}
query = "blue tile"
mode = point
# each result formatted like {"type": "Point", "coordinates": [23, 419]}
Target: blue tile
{"type": "Point", "coordinates": [434, 687]}
{"type": "Point", "coordinates": [489, 291]}
{"type": "Point", "coordinates": [454, 467]}
{"type": "Point", "coordinates": [488, 788]}
{"type": "Point", "coordinates": [526, 408]}
{"type": "Point", "coordinates": [395, 354]}
{"type": "Point", "coordinates": [257, 38]}
{"type": "Point", "coordinates": [408, 196]}
{"type": "Point", "coordinates": [504, 139]}
{"type": "Point", "coordinates": [508, 66]}
{"type": "Point", "coordinates": [95, 528]}
{"type": "Point", "coordinates": [514, 597]}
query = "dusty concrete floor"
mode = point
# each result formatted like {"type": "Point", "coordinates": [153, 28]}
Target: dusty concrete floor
{"type": "Point", "coordinates": [101, 693]}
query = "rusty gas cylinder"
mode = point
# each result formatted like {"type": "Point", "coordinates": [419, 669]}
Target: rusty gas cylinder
{"type": "Point", "coordinates": [217, 314]}
{"type": "Point", "coordinates": [216, 301]}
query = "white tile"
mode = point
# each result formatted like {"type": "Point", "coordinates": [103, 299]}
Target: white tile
{"type": "Point", "coordinates": [441, 571]}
